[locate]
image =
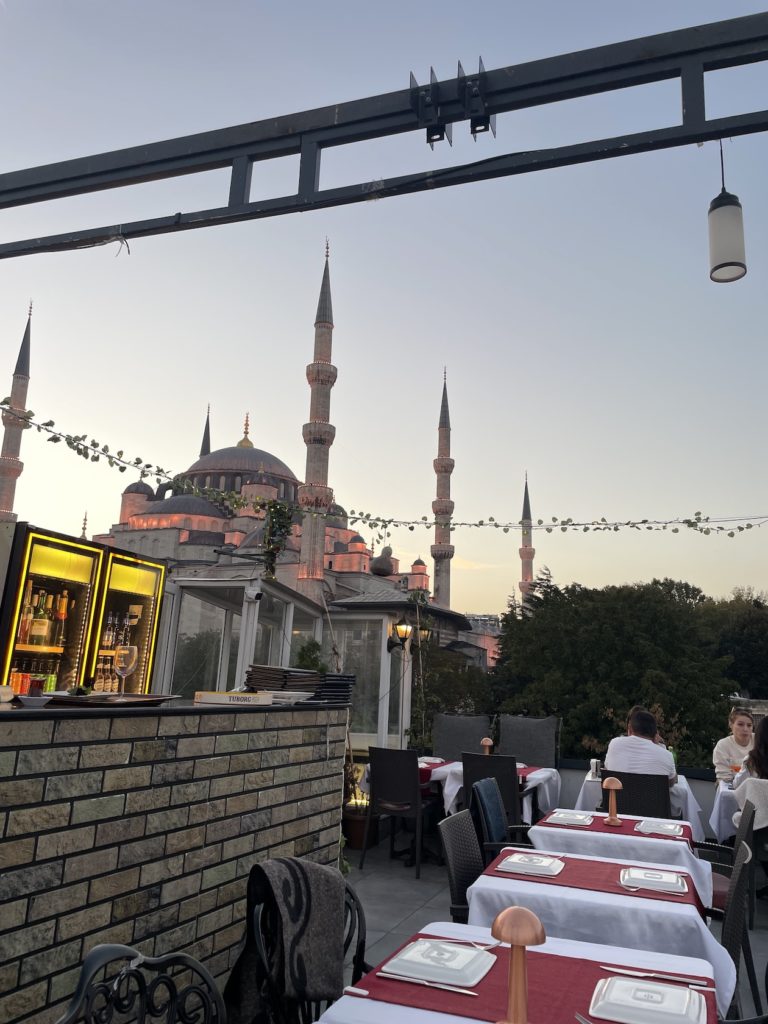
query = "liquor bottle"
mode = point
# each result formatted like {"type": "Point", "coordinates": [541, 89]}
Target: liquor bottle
{"type": "Point", "coordinates": [59, 636]}
{"type": "Point", "coordinates": [36, 680]}
{"type": "Point", "coordinates": [98, 683]}
{"type": "Point", "coordinates": [51, 677]}
{"type": "Point", "coordinates": [40, 627]}
{"type": "Point", "coordinates": [112, 676]}
{"type": "Point", "coordinates": [125, 635]}
{"type": "Point", "coordinates": [14, 679]}
{"type": "Point", "coordinates": [27, 611]}
{"type": "Point", "coordinates": [106, 636]}
{"type": "Point", "coordinates": [24, 677]}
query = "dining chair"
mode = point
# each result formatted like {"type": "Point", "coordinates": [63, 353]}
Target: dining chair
{"type": "Point", "coordinates": [531, 739]}
{"type": "Point", "coordinates": [733, 934]}
{"type": "Point", "coordinates": [463, 858]}
{"type": "Point", "coordinates": [452, 734]}
{"type": "Point", "coordinates": [490, 818]}
{"type": "Point", "coordinates": [501, 767]}
{"type": "Point", "coordinates": [643, 795]}
{"type": "Point", "coordinates": [722, 857]}
{"type": "Point", "coordinates": [269, 948]}
{"type": "Point", "coordinates": [118, 982]}
{"type": "Point", "coordinates": [395, 792]}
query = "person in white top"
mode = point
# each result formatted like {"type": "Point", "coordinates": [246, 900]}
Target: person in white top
{"type": "Point", "coordinates": [729, 753]}
{"type": "Point", "coordinates": [638, 751]}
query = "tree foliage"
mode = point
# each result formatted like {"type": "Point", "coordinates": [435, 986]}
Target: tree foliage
{"type": "Point", "coordinates": [588, 655]}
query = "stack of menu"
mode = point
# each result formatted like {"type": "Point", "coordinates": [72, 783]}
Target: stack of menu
{"type": "Point", "coordinates": [287, 685]}
{"type": "Point", "coordinates": [335, 688]}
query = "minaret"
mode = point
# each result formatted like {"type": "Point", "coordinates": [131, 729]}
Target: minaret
{"type": "Point", "coordinates": [10, 464]}
{"type": "Point", "coordinates": [205, 447]}
{"type": "Point", "coordinates": [526, 551]}
{"type": "Point", "coordinates": [314, 493]}
{"type": "Point", "coordinates": [442, 507]}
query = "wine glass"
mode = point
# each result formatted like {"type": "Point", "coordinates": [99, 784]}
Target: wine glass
{"type": "Point", "coordinates": [126, 659]}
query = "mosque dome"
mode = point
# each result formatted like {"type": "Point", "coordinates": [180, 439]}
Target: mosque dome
{"type": "Point", "coordinates": [139, 487]}
{"type": "Point", "coordinates": [382, 565]}
{"type": "Point", "coordinates": [336, 517]}
{"type": "Point", "coordinates": [420, 561]}
{"type": "Point", "coordinates": [184, 505]}
{"type": "Point", "coordinates": [356, 539]}
{"type": "Point", "coordinates": [241, 460]}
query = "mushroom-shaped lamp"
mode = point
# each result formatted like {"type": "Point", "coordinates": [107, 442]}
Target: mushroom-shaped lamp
{"type": "Point", "coordinates": [520, 928]}
{"type": "Point", "coordinates": [613, 786]}
{"type": "Point", "coordinates": [487, 744]}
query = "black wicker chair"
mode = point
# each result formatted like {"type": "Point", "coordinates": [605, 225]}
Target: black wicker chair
{"type": "Point", "coordinates": [117, 982]}
{"type": "Point", "coordinates": [453, 734]}
{"type": "Point", "coordinates": [532, 740]}
{"type": "Point", "coordinates": [501, 767]}
{"type": "Point", "coordinates": [734, 926]}
{"type": "Point", "coordinates": [396, 792]}
{"type": "Point", "coordinates": [644, 795]}
{"type": "Point", "coordinates": [463, 859]}
{"type": "Point", "coordinates": [489, 816]}
{"type": "Point", "coordinates": [291, 1011]}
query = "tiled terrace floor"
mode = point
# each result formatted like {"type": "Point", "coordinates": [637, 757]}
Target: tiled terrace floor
{"type": "Point", "coordinates": [397, 904]}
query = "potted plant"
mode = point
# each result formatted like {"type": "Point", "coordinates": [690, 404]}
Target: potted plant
{"type": "Point", "coordinates": [355, 807]}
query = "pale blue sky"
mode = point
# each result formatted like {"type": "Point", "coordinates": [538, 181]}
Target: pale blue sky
{"type": "Point", "coordinates": [583, 339]}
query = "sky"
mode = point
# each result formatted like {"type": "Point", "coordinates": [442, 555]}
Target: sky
{"type": "Point", "coordinates": [583, 341]}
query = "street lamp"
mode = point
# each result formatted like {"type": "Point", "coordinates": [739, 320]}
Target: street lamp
{"type": "Point", "coordinates": [401, 634]}
{"type": "Point", "coordinates": [727, 260]}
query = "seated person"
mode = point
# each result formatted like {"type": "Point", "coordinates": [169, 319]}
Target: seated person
{"type": "Point", "coordinates": [755, 764]}
{"type": "Point", "coordinates": [729, 753]}
{"type": "Point", "coordinates": [638, 751]}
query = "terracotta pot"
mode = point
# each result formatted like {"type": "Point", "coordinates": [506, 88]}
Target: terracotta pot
{"type": "Point", "coordinates": [353, 828]}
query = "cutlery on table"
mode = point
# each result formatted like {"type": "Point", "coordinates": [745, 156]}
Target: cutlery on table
{"type": "Point", "coordinates": [582, 1020]}
{"type": "Point", "coordinates": [352, 990]}
{"type": "Point", "coordinates": [681, 979]}
{"type": "Point", "coordinates": [637, 888]}
{"type": "Point", "coordinates": [428, 984]}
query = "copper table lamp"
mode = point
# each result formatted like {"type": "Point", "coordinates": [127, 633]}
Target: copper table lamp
{"type": "Point", "coordinates": [520, 928]}
{"type": "Point", "coordinates": [613, 786]}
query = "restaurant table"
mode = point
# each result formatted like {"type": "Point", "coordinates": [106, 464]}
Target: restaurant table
{"type": "Point", "coordinates": [634, 847]}
{"type": "Point", "coordinates": [628, 919]}
{"type": "Point", "coordinates": [721, 818]}
{"type": "Point", "coordinates": [545, 781]}
{"type": "Point", "coordinates": [352, 1009]}
{"type": "Point", "coordinates": [684, 803]}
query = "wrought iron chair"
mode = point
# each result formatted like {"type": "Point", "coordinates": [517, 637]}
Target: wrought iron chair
{"type": "Point", "coordinates": [644, 795]}
{"type": "Point", "coordinates": [396, 792]}
{"type": "Point", "coordinates": [501, 767]}
{"type": "Point", "coordinates": [463, 859]}
{"type": "Point", "coordinates": [452, 734]}
{"type": "Point", "coordinates": [487, 809]}
{"type": "Point", "coordinates": [266, 934]}
{"type": "Point", "coordinates": [117, 982]}
{"type": "Point", "coordinates": [532, 740]}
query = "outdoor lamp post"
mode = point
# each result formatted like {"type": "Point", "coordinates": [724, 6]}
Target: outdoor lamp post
{"type": "Point", "coordinates": [401, 633]}
{"type": "Point", "coordinates": [727, 261]}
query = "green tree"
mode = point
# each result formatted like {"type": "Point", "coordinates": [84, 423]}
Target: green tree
{"type": "Point", "coordinates": [588, 655]}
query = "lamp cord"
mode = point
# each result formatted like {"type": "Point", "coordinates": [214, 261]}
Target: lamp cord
{"type": "Point", "coordinates": [722, 165]}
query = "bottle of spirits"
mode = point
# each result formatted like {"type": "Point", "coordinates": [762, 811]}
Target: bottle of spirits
{"type": "Point", "coordinates": [52, 676]}
{"type": "Point", "coordinates": [59, 636]}
{"type": "Point", "coordinates": [98, 683]}
{"type": "Point", "coordinates": [36, 680]}
{"type": "Point", "coordinates": [27, 611]}
{"type": "Point", "coordinates": [114, 679]}
{"type": "Point", "coordinates": [40, 627]}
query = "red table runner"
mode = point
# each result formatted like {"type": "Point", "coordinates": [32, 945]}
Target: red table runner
{"type": "Point", "coordinates": [425, 771]}
{"type": "Point", "coordinates": [626, 828]}
{"type": "Point", "coordinates": [595, 876]}
{"type": "Point", "coordinates": [525, 772]}
{"type": "Point", "coordinates": [557, 986]}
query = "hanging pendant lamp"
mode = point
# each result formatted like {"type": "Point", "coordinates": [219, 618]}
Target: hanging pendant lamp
{"type": "Point", "coordinates": [727, 261]}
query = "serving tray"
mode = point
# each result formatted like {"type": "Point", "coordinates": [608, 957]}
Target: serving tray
{"type": "Point", "coordinates": [570, 818]}
{"type": "Point", "coordinates": [104, 700]}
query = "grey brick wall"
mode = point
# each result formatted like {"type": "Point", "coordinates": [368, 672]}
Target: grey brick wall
{"type": "Point", "coordinates": [143, 829]}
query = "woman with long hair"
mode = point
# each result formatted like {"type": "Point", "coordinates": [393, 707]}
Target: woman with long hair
{"type": "Point", "coordinates": [756, 762]}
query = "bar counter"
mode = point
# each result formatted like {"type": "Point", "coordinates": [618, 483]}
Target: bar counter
{"type": "Point", "coordinates": [140, 826]}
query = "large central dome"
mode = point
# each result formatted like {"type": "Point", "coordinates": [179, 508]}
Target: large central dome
{"type": "Point", "coordinates": [241, 460]}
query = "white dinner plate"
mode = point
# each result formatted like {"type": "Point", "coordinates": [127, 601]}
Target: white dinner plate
{"type": "Point", "coordinates": [647, 1002]}
{"type": "Point", "coordinates": [426, 761]}
{"type": "Point", "coordinates": [440, 960]}
{"type": "Point", "coordinates": [658, 881]}
{"type": "Point", "coordinates": [649, 827]}
{"type": "Point", "coordinates": [571, 818]}
{"type": "Point", "coordinates": [531, 864]}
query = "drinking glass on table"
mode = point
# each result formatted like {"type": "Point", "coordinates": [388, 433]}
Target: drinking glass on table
{"type": "Point", "coordinates": [126, 659]}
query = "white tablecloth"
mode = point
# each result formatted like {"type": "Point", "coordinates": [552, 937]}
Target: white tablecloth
{"type": "Point", "coordinates": [643, 849]}
{"type": "Point", "coordinates": [632, 921]}
{"type": "Point", "coordinates": [354, 1010]}
{"type": "Point", "coordinates": [546, 782]}
{"type": "Point", "coordinates": [684, 803]}
{"type": "Point", "coordinates": [721, 819]}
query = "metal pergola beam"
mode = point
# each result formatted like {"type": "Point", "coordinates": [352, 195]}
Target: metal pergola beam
{"type": "Point", "coordinates": [685, 55]}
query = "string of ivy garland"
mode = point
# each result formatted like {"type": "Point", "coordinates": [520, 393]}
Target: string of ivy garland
{"type": "Point", "coordinates": [279, 515]}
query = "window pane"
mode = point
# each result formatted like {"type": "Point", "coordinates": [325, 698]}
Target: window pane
{"type": "Point", "coordinates": [198, 645]}
{"type": "Point", "coordinates": [269, 631]}
{"type": "Point", "coordinates": [303, 630]}
{"type": "Point", "coordinates": [359, 648]}
{"type": "Point", "coordinates": [234, 647]}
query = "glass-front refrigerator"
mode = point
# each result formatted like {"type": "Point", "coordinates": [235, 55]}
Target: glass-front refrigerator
{"type": "Point", "coordinates": [125, 631]}
{"type": "Point", "coordinates": [49, 602]}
